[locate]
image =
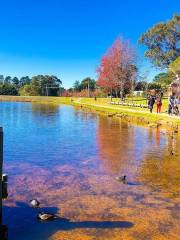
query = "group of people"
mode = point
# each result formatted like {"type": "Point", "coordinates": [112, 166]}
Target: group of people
{"type": "Point", "coordinates": [173, 103]}
{"type": "Point", "coordinates": [152, 99]}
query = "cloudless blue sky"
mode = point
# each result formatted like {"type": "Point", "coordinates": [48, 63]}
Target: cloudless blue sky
{"type": "Point", "coordinates": [68, 37]}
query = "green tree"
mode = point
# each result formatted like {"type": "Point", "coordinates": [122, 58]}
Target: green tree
{"type": "Point", "coordinates": [7, 79]}
{"type": "Point", "coordinates": [28, 90]}
{"type": "Point", "coordinates": [42, 85]}
{"type": "Point", "coordinates": [32, 89]}
{"type": "Point", "coordinates": [1, 79]}
{"type": "Point", "coordinates": [8, 89]}
{"type": "Point", "coordinates": [162, 41]}
{"type": "Point", "coordinates": [24, 81]}
{"type": "Point", "coordinates": [77, 86]}
{"type": "Point", "coordinates": [15, 81]}
{"type": "Point", "coordinates": [49, 85]}
{"type": "Point", "coordinates": [175, 67]}
{"type": "Point", "coordinates": [88, 83]}
{"type": "Point", "coordinates": [141, 86]}
{"type": "Point", "coordinates": [153, 85]}
{"type": "Point", "coordinates": [163, 79]}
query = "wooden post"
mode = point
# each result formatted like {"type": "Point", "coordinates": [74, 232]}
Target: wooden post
{"type": "Point", "coordinates": [1, 170]}
{"type": "Point", "coordinates": [3, 228]}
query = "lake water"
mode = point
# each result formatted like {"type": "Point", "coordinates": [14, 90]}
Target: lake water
{"type": "Point", "coordinates": [68, 159]}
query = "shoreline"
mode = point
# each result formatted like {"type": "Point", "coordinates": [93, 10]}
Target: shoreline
{"type": "Point", "coordinates": [130, 114]}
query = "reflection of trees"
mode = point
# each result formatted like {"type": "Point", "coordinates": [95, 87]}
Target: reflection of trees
{"type": "Point", "coordinates": [160, 169]}
{"type": "Point", "coordinates": [145, 154]}
{"type": "Point", "coordinates": [45, 109]}
{"type": "Point", "coordinates": [116, 144]}
{"type": "Point", "coordinates": [84, 115]}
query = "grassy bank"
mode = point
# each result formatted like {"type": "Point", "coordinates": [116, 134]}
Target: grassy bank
{"type": "Point", "coordinates": [103, 105]}
{"type": "Point", "coordinates": [130, 113]}
{"type": "Point", "coordinates": [36, 99]}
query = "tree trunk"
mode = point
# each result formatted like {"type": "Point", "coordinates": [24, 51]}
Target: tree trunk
{"type": "Point", "coordinates": [122, 90]}
{"type": "Point", "coordinates": [111, 94]}
{"type": "Point", "coordinates": [116, 93]}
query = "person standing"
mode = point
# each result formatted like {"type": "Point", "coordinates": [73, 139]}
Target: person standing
{"type": "Point", "coordinates": [159, 104]}
{"type": "Point", "coordinates": [176, 106]}
{"type": "Point", "coordinates": [171, 100]}
{"type": "Point", "coordinates": [151, 103]}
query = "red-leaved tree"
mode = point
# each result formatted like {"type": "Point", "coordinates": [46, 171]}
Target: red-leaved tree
{"type": "Point", "coordinates": [117, 69]}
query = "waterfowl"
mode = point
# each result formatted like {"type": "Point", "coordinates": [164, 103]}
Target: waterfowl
{"type": "Point", "coordinates": [34, 203]}
{"type": "Point", "coordinates": [171, 152]}
{"type": "Point", "coordinates": [122, 179]}
{"type": "Point", "coordinates": [46, 216]}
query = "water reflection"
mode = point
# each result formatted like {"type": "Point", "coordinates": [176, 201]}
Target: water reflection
{"type": "Point", "coordinates": [161, 169]}
{"type": "Point", "coordinates": [113, 140]}
{"type": "Point", "coordinates": [45, 109]}
{"type": "Point", "coordinates": [69, 159]}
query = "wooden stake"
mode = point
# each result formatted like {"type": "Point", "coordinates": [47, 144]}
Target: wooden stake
{"type": "Point", "coordinates": [1, 169]}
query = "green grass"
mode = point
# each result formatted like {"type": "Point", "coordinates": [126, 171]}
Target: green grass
{"type": "Point", "coordinates": [103, 105]}
{"type": "Point", "coordinates": [38, 99]}
{"type": "Point", "coordinates": [106, 102]}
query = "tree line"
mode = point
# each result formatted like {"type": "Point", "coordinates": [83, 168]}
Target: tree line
{"type": "Point", "coordinates": [40, 85]}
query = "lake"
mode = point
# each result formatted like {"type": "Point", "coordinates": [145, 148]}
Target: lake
{"type": "Point", "coordinates": [69, 160]}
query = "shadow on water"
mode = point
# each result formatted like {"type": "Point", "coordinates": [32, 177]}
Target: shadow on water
{"type": "Point", "coordinates": [23, 224]}
{"type": "Point", "coordinates": [134, 184]}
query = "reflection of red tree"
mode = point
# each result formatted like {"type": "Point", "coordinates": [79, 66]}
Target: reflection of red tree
{"type": "Point", "coordinates": [116, 144]}
{"type": "Point", "coordinates": [157, 136]}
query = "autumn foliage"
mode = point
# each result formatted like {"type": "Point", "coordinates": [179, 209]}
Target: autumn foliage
{"type": "Point", "coordinates": [117, 69]}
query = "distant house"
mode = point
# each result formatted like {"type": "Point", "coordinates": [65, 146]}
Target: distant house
{"type": "Point", "coordinates": [138, 93]}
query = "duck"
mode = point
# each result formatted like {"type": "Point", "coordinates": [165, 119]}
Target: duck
{"type": "Point", "coordinates": [171, 152]}
{"type": "Point", "coordinates": [34, 203]}
{"type": "Point", "coordinates": [122, 179]}
{"type": "Point", "coordinates": [46, 216]}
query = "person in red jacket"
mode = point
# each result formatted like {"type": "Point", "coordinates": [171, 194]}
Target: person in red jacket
{"type": "Point", "coordinates": [159, 104]}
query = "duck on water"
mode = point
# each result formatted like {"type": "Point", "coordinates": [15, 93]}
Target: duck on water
{"type": "Point", "coordinates": [41, 215]}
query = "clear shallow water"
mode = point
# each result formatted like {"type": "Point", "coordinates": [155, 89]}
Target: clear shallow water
{"type": "Point", "coordinates": [69, 159]}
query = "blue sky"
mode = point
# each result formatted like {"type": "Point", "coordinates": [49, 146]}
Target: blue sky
{"type": "Point", "coordinates": [67, 38]}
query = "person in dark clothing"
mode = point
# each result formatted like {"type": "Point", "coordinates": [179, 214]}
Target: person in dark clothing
{"type": "Point", "coordinates": [176, 104]}
{"type": "Point", "coordinates": [151, 103]}
{"type": "Point", "coordinates": [171, 101]}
